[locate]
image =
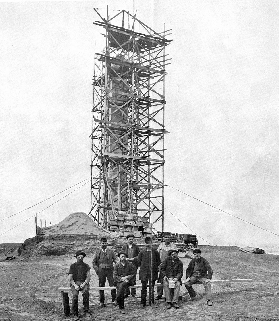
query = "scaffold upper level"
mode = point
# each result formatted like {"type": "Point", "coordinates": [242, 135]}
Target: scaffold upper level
{"type": "Point", "coordinates": [128, 125]}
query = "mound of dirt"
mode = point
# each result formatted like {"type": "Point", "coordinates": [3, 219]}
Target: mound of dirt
{"type": "Point", "coordinates": [75, 223]}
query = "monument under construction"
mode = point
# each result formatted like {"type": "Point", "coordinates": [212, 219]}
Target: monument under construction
{"type": "Point", "coordinates": [128, 126]}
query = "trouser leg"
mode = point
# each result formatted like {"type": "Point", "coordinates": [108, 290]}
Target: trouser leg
{"type": "Point", "coordinates": [207, 286]}
{"type": "Point", "coordinates": [176, 292]}
{"type": "Point", "coordinates": [143, 292]}
{"type": "Point", "coordinates": [102, 282]}
{"type": "Point", "coordinates": [74, 301]}
{"type": "Point", "coordinates": [85, 295]}
{"type": "Point", "coordinates": [133, 282]}
{"type": "Point", "coordinates": [121, 289]}
{"type": "Point", "coordinates": [189, 287]}
{"type": "Point", "coordinates": [160, 286]}
{"type": "Point", "coordinates": [167, 291]}
{"type": "Point", "coordinates": [111, 283]}
{"type": "Point", "coordinates": [151, 291]}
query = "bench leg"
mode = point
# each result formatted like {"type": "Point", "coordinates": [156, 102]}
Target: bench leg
{"type": "Point", "coordinates": [66, 305]}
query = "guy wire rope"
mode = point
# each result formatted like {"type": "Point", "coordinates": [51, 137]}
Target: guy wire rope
{"type": "Point", "coordinates": [189, 228]}
{"type": "Point", "coordinates": [46, 207]}
{"type": "Point", "coordinates": [225, 212]}
{"type": "Point", "coordinates": [46, 199]}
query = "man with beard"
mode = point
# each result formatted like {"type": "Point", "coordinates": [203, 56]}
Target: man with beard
{"type": "Point", "coordinates": [103, 261]}
{"type": "Point", "coordinates": [132, 251]}
{"type": "Point", "coordinates": [172, 271]}
{"type": "Point", "coordinates": [123, 273]}
{"type": "Point", "coordinates": [79, 277]}
{"type": "Point", "coordinates": [149, 261]}
{"type": "Point", "coordinates": [199, 271]}
{"type": "Point", "coordinates": [163, 250]}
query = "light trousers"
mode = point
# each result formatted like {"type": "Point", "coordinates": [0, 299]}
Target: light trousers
{"type": "Point", "coordinates": [168, 292]}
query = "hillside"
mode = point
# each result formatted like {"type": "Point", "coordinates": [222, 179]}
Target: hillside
{"type": "Point", "coordinates": [29, 290]}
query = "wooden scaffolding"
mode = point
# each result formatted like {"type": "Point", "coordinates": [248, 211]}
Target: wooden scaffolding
{"type": "Point", "coordinates": [128, 125]}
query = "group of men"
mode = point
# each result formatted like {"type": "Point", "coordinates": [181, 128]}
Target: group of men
{"type": "Point", "coordinates": [162, 265]}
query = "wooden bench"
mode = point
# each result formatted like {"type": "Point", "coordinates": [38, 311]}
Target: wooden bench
{"type": "Point", "coordinates": [65, 290]}
{"type": "Point", "coordinates": [65, 294]}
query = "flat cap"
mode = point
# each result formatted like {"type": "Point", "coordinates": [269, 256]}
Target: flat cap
{"type": "Point", "coordinates": [79, 252]}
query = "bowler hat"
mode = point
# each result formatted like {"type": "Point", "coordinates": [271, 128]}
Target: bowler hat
{"type": "Point", "coordinates": [79, 252]}
{"type": "Point", "coordinates": [104, 239]}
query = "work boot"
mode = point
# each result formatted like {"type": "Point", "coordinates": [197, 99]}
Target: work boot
{"type": "Point", "coordinates": [209, 303]}
{"type": "Point", "coordinates": [169, 305]}
{"type": "Point", "coordinates": [175, 305]}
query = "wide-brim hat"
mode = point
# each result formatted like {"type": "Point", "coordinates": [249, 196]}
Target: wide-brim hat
{"type": "Point", "coordinates": [104, 239]}
{"type": "Point", "coordinates": [80, 253]}
{"type": "Point", "coordinates": [196, 251]}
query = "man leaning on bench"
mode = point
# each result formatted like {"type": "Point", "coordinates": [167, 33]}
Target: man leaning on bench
{"type": "Point", "coordinates": [121, 275]}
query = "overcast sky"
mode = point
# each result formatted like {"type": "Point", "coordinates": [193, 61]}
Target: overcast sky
{"type": "Point", "coordinates": [222, 113]}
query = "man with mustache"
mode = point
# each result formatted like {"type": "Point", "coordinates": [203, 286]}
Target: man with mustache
{"type": "Point", "coordinates": [103, 262]}
{"type": "Point", "coordinates": [199, 271]}
{"type": "Point", "coordinates": [79, 277]}
{"type": "Point", "coordinates": [123, 274]}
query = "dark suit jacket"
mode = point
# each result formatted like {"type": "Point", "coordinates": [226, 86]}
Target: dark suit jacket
{"type": "Point", "coordinates": [172, 269]}
{"type": "Point", "coordinates": [120, 270]}
{"type": "Point", "coordinates": [136, 251]}
{"type": "Point", "coordinates": [147, 264]}
{"type": "Point", "coordinates": [203, 267]}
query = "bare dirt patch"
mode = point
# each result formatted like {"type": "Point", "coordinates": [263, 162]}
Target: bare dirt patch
{"type": "Point", "coordinates": [29, 290]}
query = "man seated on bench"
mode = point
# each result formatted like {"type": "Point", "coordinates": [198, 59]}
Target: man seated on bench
{"type": "Point", "coordinates": [172, 271]}
{"type": "Point", "coordinates": [79, 276]}
{"type": "Point", "coordinates": [123, 275]}
{"type": "Point", "coordinates": [199, 271]}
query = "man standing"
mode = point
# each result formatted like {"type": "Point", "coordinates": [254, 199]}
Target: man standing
{"type": "Point", "coordinates": [199, 271]}
{"type": "Point", "coordinates": [123, 273]}
{"type": "Point", "coordinates": [149, 261]}
{"type": "Point", "coordinates": [79, 277]}
{"type": "Point", "coordinates": [163, 250]}
{"type": "Point", "coordinates": [103, 265]}
{"type": "Point", "coordinates": [172, 271]}
{"type": "Point", "coordinates": [132, 251]}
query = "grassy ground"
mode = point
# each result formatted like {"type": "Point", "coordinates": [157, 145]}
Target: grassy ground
{"type": "Point", "coordinates": [29, 291]}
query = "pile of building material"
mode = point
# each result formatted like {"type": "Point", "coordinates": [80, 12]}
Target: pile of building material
{"type": "Point", "coordinates": [76, 223]}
